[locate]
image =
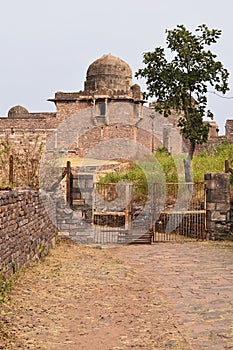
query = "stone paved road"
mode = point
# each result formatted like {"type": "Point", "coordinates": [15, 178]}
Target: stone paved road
{"type": "Point", "coordinates": [196, 280]}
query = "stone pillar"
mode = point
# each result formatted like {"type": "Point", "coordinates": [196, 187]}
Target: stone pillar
{"type": "Point", "coordinates": [218, 207]}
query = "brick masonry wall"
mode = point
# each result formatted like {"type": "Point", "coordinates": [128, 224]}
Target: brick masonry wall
{"type": "Point", "coordinates": [211, 143]}
{"type": "Point", "coordinates": [124, 120]}
{"type": "Point", "coordinates": [34, 121]}
{"type": "Point", "coordinates": [27, 231]}
{"type": "Point", "coordinates": [65, 110]}
{"type": "Point", "coordinates": [113, 132]}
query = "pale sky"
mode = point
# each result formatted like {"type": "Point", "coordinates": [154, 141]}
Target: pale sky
{"type": "Point", "coordinates": [47, 45]}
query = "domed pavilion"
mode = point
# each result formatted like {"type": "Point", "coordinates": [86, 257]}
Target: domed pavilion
{"type": "Point", "coordinates": [114, 107]}
{"type": "Point", "coordinates": [109, 74]}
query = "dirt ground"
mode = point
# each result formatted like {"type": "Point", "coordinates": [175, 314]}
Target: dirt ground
{"type": "Point", "coordinates": [81, 297]}
{"type": "Point", "coordinates": [152, 297]}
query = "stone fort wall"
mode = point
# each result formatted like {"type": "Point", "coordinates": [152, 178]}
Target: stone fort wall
{"type": "Point", "coordinates": [123, 120]}
{"type": "Point", "coordinates": [115, 110]}
{"type": "Point", "coordinates": [164, 134]}
{"type": "Point", "coordinates": [27, 228]}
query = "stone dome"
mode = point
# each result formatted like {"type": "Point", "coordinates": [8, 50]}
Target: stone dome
{"type": "Point", "coordinates": [17, 112]}
{"type": "Point", "coordinates": [109, 73]}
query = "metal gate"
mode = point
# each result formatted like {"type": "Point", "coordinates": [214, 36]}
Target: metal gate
{"type": "Point", "coordinates": [136, 213]}
{"type": "Point", "coordinates": [182, 214]}
{"type": "Point", "coordinates": [145, 213]}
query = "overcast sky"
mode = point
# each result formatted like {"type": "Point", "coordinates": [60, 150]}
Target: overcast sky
{"type": "Point", "coordinates": [47, 45]}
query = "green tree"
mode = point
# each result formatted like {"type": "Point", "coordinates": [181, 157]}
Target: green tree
{"type": "Point", "coordinates": [181, 83]}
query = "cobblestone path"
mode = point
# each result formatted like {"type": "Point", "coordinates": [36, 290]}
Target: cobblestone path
{"type": "Point", "coordinates": [164, 296]}
{"type": "Point", "coordinates": [196, 279]}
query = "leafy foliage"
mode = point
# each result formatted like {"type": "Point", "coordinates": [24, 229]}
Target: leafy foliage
{"type": "Point", "coordinates": [181, 84]}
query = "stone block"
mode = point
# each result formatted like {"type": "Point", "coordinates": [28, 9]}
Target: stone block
{"type": "Point", "coordinates": [217, 196]}
{"type": "Point", "coordinates": [208, 176]}
{"type": "Point", "coordinates": [210, 225]}
{"type": "Point", "coordinates": [222, 206]}
{"type": "Point", "coordinates": [63, 234]}
{"type": "Point", "coordinates": [210, 206]}
{"type": "Point", "coordinates": [211, 184]}
{"type": "Point", "coordinates": [218, 216]}
{"type": "Point", "coordinates": [218, 181]}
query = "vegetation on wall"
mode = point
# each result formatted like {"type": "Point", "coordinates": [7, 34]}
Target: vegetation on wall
{"type": "Point", "coordinates": [164, 168]}
{"type": "Point", "coordinates": [26, 162]}
{"type": "Point", "coordinates": [211, 160]}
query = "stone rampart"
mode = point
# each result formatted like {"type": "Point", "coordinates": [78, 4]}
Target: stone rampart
{"type": "Point", "coordinates": [27, 228]}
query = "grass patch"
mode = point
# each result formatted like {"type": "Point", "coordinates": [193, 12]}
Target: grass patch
{"type": "Point", "coordinates": [168, 168]}
{"type": "Point", "coordinates": [163, 168]}
{"type": "Point", "coordinates": [212, 161]}
{"type": "Point", "coordinates": [6, 284]}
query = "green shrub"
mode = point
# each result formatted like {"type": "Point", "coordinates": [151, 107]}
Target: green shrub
{"type": "Point", "coordinates": [168, 168]}
{"type": "Point", "coordinates": [212, 161]}
{"type": "Point", "coordinates": [134, 174]}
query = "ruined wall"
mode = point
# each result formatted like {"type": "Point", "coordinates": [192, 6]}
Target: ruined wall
{"type": "Point", "coordinates": [26, 228]}
{"type": "Point", "coordinates": [124, 119]}
{"type": "Point", "coordinates": [218, 206]}
{"type": "Point", "coordinates": [229, 130]}
{"type": "Point", "coordinates": [31, 121]}
{"type": "Point", "coordinates": [30, 127]}
{"type": "Point", "coordinates": [211, 143]}
{"type": "Point", "coordinates": [18, 136]}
